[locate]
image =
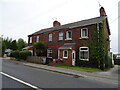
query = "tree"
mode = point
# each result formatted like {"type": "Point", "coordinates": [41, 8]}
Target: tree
{"type": "Point", "coordinates": [39, 48]}
{"type": "Point", "coordinates": [102, 46]}
{"type": "Point", "coordinates": [13, 45]}
{"type": "Point", "coordinates": [94, 54]}
{"type": "Point", "coordinates": [98, 48]}
{"type": "Point", "coordinates": [6, 44]}
{"type": "Point", "coordinates": [21, 44]}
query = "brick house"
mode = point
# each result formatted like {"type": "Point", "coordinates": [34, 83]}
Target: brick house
{"type": "Point", "coordinates": [70, 41]}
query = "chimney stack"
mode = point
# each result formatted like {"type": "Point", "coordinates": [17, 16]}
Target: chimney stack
{"type": "Point", "coordinates": [56, 23]}
{"type": "Point", "coordinates": [102, 12]}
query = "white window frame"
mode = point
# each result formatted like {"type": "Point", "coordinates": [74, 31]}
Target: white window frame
{"type": "Point", "coordinates": [84, 51]}
{"type": "Point", "coordinates": [50, 37]}
{"type": "Point", "coordinates": [37, 38]}
{"type": "Point", "coordinates": [60, 36]}
{"type": "Point", "coordinates": [64, 54]}
{"type": "Point", "coordinates": [67, 37]}
{"type": "Point", "coordinates": [30, 39]}
{"type": "Point", "coordinates": [49, 50]}
{"type": "Point", "coordinates": [82, 33]}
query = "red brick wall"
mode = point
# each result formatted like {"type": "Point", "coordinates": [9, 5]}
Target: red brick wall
{"type": "Point", "coordinates": [55, 44]}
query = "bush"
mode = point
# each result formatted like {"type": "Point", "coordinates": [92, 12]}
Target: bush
{"type": "Point", "coordinates": [15, 54]}
{"type": "Point", "coordinates": [110, 62]}
{"type": "Point", "coordinates": [20, 54]}
{"type": "Point", "coordinates": [39, 48]}
{"type": "Point", "coordinates": [24, 54]}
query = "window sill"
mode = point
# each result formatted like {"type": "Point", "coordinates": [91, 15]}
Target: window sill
{"type": "Point", "coordinates": [65, 57]}
{"type": "Point", "coordinates": [83, 38]}
{"type": "Point", "coordinates": [84, 59]}
{"type": "Point", "coordinates": [68, 39]}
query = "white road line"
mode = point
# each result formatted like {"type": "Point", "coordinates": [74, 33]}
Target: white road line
{"type": "Point", "coordinates": [21, 81]}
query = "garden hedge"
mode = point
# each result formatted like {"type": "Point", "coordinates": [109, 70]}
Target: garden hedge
{"type": "Point", "coordinates": [20, 54]}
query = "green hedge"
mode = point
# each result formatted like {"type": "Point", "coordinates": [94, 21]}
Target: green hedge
{"type": "Point", "coordinates": [24, 54]}
{"type": "Point", "coordinates": [15, 54]}
{"type": "Point", "coordinates": [110, 65]}
{"type": "Point", "coordinates": [20, 54]}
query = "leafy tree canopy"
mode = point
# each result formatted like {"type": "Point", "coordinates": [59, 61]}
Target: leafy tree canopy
{"type": "Point", "coordinates": [39, 48]}
{"type": "Point", "coordinates": [21, 44]}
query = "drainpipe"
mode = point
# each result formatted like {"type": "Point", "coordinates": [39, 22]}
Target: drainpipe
{"type": "Point", "coordinates": [58, 53]}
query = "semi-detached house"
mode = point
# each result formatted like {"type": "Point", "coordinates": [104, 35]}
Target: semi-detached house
{"type": "Point", "coordinates": [70, 41]}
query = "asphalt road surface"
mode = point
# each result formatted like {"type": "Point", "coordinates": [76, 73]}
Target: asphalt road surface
{"type": "Point", "coordinates": [43, 79]}
{"type": "Point", "coordinates": [10, 83]}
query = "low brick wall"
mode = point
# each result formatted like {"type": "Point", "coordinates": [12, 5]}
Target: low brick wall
{"type": "Point", "coordinates": [56, 63]}
{"type": "Point", "coordinates": [34, 59]}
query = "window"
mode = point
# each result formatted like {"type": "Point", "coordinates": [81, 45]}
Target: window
{"type": "Point", "coordinates": [37, 38]}
{"type": "Point", "coordinates": [84, 33]}
{"type": "Point", "coordinates": [50, 37]}
{"type": "Point", "coordinates": [30, 38]}
{"type": "Point", "coordinates": [65, 54]}
{"type": "Point", "coordinates": [69, 35]}
{"type": "Point", "coordinates": [84, 53]}
{"type": "Point", "coordinates": [60, 35]}
{"type": "Point", "coordinates": [49, 52]}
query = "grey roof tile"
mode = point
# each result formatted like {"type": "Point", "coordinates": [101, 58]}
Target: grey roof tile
{"type": "Point", "coordinates": [67, 46]}
{"type": "Point", "coordinates": [72, 25]}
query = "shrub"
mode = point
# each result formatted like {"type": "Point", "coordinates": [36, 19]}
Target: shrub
{"type": "Point", "coordinates": [15, 54]}
{"type": "Point", "coordinates": [110, 62]}
{"type": "Point", "coordinates": [24, 54]}
{"type": "Point", "coordinates": [20, 54]}
{"type": "Point", "coordinates": [39, 48]}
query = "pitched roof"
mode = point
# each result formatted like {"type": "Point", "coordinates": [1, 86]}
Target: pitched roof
{"type": "Point", "coordinates": [72, 25]}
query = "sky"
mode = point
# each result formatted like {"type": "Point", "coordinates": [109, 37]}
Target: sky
{"type": "Point", "coordinates": [19, 18]}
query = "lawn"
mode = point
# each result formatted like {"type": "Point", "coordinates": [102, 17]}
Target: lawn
{"type": "Point", "coordinates": [85, 69]}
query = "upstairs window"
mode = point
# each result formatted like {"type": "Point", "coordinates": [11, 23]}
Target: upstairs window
{"type": "Point", "coordinates": [84, 53]}
{"type": "Point", "coordinates": [84, 33]}
{"type": "Point", "coordinates": [49, 52]}
{"type": "Point", "coordinates": [37, 38]}
{"type": "Point", "coordinates": [69, 35]}
{"type": "Point", "coordinates": [30, 39]}
{"type": "Point", "coordinates": [60, 35]}
{"type": "Point", "coordinates": [50, 37]}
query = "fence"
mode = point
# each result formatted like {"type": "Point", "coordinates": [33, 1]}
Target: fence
{"type": "Point", "coordinates": [34, 59]}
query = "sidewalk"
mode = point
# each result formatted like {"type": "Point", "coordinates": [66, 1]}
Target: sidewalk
{"type": "Point", "coordinates": [110, 77]}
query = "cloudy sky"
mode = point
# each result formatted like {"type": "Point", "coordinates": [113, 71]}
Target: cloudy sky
{"type": "Point", "coordinates": [19, 18]}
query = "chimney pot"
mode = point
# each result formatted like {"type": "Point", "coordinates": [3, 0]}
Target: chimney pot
{"type": "Point", "coordinates": [56, 23]}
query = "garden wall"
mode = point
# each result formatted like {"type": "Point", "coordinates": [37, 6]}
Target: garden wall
{"type": "Point", "coordinates": [34, 59]}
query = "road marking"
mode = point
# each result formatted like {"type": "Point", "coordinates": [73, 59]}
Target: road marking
{"type": "Point", "coordinates": [21, 81]}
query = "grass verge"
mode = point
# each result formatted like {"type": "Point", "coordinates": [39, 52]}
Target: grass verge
{"type": "Point", "coordinates": [85, 69]}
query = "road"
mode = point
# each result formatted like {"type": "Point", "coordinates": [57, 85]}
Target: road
{"type": "Point", "coordinates": [44, 79]}
{"type": "Point", "coordinates": [10, 83]}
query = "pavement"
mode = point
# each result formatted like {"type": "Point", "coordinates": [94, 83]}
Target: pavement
{"type": "Point", "coordinates": [110, 76]}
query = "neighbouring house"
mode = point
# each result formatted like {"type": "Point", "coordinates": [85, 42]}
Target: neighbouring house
{"type": "Point", "coordinates": [71, 42]}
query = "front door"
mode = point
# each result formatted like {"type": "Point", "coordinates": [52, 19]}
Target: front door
{"type": "Point", "coordinates": [73, 57]}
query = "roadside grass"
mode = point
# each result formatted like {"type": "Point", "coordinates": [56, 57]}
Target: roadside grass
{"type": "Point", "coordinates": [85, 69]}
